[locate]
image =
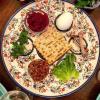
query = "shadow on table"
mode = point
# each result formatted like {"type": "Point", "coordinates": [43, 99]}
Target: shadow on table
{"type": "Point", "coordinates": [94, 92]}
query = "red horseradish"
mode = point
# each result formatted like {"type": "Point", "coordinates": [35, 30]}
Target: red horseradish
{"type": "Point", "coordinates": [37, 20]}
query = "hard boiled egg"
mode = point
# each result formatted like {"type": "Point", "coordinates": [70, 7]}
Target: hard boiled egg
{"type": "Point", "coordinates": [64, 21]}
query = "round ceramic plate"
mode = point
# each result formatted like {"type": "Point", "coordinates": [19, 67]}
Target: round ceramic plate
{"type": "Point", "coordinates": [50, 86]}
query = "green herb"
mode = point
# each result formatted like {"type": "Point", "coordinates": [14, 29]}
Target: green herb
{"type": "Point", "coordinates": [18, 47]}
{"type": "Point", "coordinates": [23, 38]}
{"type": "Point", "coordinates": [84, 3]}
{"type": "Point", "coordinates": [66, 70]}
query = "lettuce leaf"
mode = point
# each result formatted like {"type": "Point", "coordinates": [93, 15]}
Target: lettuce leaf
{"type": "Point", "coordinates": [66, 70]}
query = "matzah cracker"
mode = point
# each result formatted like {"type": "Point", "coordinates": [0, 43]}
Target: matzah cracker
{"type": "Point", "coordinates": [51, 44]}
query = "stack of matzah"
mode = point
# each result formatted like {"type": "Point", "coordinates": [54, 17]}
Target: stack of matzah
{"type": "Point", "coordinates": [51, 44]}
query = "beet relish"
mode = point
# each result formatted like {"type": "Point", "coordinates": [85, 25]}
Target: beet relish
{"type": "Point", "coordinates": [37, 20]}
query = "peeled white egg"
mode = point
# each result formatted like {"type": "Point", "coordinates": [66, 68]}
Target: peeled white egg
{"type": "Point", "coordinates": [64, 21]}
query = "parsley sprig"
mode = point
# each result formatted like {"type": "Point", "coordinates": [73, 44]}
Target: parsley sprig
{"type": "Point", "coordinates": [18, 47]}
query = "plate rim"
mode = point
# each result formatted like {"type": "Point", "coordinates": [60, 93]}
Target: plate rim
{"type": "Point", "coordinates": [28, 91]}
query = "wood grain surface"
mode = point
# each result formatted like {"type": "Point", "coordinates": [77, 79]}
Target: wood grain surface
{"type": "Point", "coordinates": [88, 92]}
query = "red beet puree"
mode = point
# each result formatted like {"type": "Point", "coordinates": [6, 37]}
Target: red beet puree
{"type": "Point", "coordinates": [37, 20]}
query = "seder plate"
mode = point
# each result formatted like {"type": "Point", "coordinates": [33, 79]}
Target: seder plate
{"type": "Point", "coordinates": [50, 87]}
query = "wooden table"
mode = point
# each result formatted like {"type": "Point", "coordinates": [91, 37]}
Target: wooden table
{"type": "Point", "coordinates": [88, 92]}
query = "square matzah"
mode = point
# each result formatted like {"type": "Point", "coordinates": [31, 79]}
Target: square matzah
{"type": "Point", "coordinates": [51, 44]}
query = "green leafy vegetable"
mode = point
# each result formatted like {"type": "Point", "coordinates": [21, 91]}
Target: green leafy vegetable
{"type": "Point", "coordinates": [23, 38]}
{"type": "Point", "coordinates": [84, 3]}
{"type": "Point", "coordinates": [66, 70]}
{"type": "Point", "coordinates": [18, 47]}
